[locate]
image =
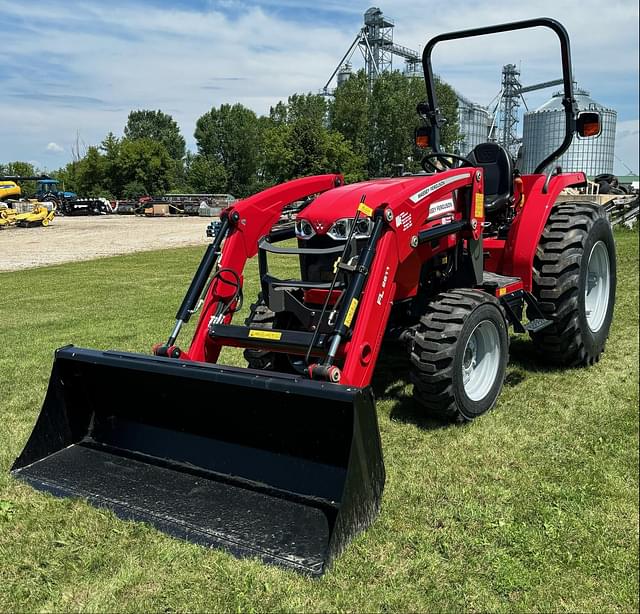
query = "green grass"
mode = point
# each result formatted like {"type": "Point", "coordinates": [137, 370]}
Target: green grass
{"type": "Point", "coordinates": [532, 507]}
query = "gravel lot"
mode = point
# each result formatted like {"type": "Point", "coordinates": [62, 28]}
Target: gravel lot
{"type": "Point", "coordinates": [69, 239]}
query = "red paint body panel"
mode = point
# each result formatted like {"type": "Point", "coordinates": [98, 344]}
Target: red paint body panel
{"type": "Point", "coordinates": [395, 272]}
{"type": "Point", "coordinates": [494, 255]}
{"type": "Point", "coordinates": [527, 227]}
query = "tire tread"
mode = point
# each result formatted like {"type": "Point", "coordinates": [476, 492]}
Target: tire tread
{"type": "Point", "coordinates": [434, 347]}
{"type": "Point", "coordinates": [556, 271]}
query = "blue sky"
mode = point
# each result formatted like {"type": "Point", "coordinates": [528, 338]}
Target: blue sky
{"type": "Point", "coordinates": [71, 71]}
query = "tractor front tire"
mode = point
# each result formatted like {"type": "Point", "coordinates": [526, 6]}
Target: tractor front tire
{"type": "Point", "coordinates": [574, 280]}
{"type": "Point", "coordinates": [459, 355]}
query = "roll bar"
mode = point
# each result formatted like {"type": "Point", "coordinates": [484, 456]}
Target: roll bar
{"type": "Point", "coordinates": [436, 120]}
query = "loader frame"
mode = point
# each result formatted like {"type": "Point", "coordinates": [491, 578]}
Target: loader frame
{"type": "Point", "coordinates": [361, 322]}
{"type": "Point", "coordinates": [246, 230]}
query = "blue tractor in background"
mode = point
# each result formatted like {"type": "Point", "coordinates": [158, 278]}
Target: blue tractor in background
{"type": "Point", "coordinates": [48, 190]}
{"type": "Point", "coordinates": [68, 203]}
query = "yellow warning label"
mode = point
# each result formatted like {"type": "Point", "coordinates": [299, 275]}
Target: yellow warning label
{"type": "Point", "coordinates": [352, 310]}
{"type": "Point", "coordinates": [265, 334]}
{"type": "Point", "coordinates": [368, 211]}
{"type": "Point", "coordinates": [502, 291]}
{"type": "Point", "coordinates": [479, 205]}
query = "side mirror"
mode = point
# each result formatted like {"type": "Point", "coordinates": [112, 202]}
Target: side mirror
{"type": "Point", "coordinates": [423, 109]}
{"type": "Point", "coordinates": [588, 124]}
{"type": "Point", "coordinates": [422, 137]}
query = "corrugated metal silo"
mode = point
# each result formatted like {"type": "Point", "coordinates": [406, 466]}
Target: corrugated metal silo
{"type": "Point", "coordinates": [473, 120]}
{"type": "Point", "coordinates": [544, 130]}
{"type": "Point", "coordinates": [344, 74]}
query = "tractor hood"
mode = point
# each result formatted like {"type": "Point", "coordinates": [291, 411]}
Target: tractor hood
{"type": "Point", "coordinates": [343, 202]}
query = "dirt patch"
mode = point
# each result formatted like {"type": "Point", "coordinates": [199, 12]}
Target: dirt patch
{"type": "Point", "coordinates": [69, 239]}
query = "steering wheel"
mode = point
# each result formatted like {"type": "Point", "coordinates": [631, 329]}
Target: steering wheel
{"type": "Point", "coordinates": [445, 160]}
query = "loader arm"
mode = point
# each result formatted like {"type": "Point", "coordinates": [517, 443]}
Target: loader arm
{"type": "Point", "coordinates": [248, 221]}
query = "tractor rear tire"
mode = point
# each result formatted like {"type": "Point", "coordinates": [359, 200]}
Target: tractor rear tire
{"type": "Point", "coordinates": [574, 280]}
{"type": "Point", "coordinates": [459, 355]}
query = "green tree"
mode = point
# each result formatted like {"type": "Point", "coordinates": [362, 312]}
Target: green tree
{"type": "Point", "coordinates": [91, 173]}
{"type": "Point", "coordinates": [298, 142]}
{"type": "Point", "coordinates": [379, 123]}
{"type": "Point", "coordinates": [134, 190]}
{"type": "Point", "coordinates": [145, 162]}
{"type": "Point", "coordinates": [156, 126]}
{"type": "Point", "coordinates": [111, 147]}
{"type": "Point", "coordinates": [392, 119]}
{"type": "Point", "coordinates": [349, 113]}
{"type": "Point", "coordinates": [206, 175]}
{"type": "Point", "coordinates": [18, 168]}
{"type": "Point", "coordinates": [231, 136]}
{"type": "Point", "coordinates": [448, 103]}
{"type": "Point", "coordinates": [68, 176]}
{"type": "Point", "coordinates": [120, 167]}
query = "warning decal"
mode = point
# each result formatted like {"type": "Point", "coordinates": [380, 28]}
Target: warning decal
{"type": "Point", "coordinates": [352, 310]}
{"type": "Point", "coordinates": [265, 334]}
{"type": "Point", "coordinates": [479, 212]}
{"type": "Point", "coordinates": [404, 220]}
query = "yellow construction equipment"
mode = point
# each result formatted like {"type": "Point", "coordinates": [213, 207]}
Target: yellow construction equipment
{"type": "Point", "coordinates": [7, 217]}
{"type": "Point", "coordinates": [9, 189]}
{"type": "Point", "coordinates": [40, 216]}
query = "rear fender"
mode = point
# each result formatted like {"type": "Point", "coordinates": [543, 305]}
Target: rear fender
{"type": "Point", "coordinates": [526, 229]}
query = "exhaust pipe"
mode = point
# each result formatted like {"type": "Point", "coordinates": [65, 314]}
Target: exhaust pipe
{"type": "Point", "coordinates": [259, 464]}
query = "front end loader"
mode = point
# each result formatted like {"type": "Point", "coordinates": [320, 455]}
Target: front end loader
{"type": "Point", "coordinates": [282, 460]}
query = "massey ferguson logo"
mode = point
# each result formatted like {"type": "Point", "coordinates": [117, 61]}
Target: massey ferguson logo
{"type": "Point", "coordinates": [440, 207]}
{"type": "Point", "coordinates": [436, 186]}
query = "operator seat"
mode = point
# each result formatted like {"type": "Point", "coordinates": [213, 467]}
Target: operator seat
{"type": "Point", "coordinates": [497, 164]}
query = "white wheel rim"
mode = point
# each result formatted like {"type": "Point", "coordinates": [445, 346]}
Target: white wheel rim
{"type": "Point", "coordinates": [481, 360]}
{"type": "Point", "coordinates": [596, 292]}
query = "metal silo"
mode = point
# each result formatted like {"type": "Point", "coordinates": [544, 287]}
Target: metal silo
{"type": "Point", "coordinates": [473, 121]}
{"type": "Point", "coordinates": [544, 130]}
{"type": "Point", "coordinates": [344, 74]}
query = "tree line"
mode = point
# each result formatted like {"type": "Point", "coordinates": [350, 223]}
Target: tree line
{"type": "Point", "coordinates": [361, 132]}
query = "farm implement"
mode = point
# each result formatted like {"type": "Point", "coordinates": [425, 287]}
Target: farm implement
{"type": "Point", "coordinates": [40, 215]}
{"type": "Point", "coordinates": [282, 460]}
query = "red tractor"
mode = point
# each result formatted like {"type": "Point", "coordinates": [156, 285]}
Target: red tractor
{"type": "Point", "coordinates": [282, 460]}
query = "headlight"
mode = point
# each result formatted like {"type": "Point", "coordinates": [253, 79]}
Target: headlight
{"type": "Point", "coordinates": [304, 229]}
{"type": "Point", "coordinates": [341, 228]}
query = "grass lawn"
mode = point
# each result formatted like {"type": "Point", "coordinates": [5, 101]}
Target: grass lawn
{"type": "Point", "coordinates": [532, 507]}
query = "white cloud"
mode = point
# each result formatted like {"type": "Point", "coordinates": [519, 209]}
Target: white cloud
{"type": "Point", "coordinates": [106, 60]}
{"type": "Point", "coordinates": [54, 147]}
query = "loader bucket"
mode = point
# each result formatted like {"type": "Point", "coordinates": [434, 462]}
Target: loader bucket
{"type": "Point", "coordinates": [266, 465]}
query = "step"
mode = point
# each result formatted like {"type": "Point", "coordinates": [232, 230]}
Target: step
{"type": "Point", "coordinates": [500, 281]}
{"type": "Point", "coordinates": [537, 325]}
